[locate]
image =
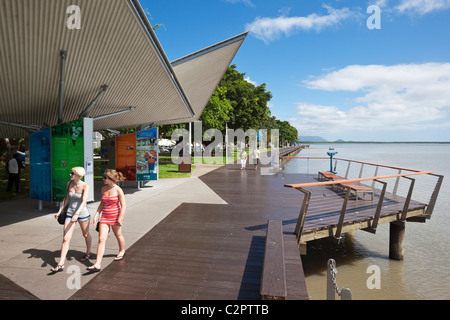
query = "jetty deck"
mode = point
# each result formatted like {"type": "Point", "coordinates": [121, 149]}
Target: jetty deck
{"type": "Point", "coordinates": [209, 251]}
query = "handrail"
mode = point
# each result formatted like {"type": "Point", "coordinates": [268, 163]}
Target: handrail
{"type": "Point", "coordinates": [347, 184]}
{"type": "Point", "coordinates": [356, 161]}
{"type": "Point", "coordinates": [324, 183]}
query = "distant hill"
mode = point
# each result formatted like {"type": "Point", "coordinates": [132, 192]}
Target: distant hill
{"type": "Point", "coordinates": [312, 139]}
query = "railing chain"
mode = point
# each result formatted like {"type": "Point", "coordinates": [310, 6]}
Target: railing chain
{"type": "Point", "coordinates": [333, 272]}
{"type": "Point", "coordinates": [332, 286]}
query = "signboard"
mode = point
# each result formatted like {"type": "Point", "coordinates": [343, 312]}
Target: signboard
{"type": "Point", "coordinates": [108, 154]}
{"type": "Point", "coordinates": [67, 152]}
{"type": "Point", "coordinates": [40, 165]}
{"type": "Point", "coordinates": [126, 156]}
{"type": "Point", "coordinates": [147, 155]}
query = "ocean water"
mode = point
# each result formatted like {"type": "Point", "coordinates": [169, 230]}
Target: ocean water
{"type": "Point", "coordinates": [424, 274]}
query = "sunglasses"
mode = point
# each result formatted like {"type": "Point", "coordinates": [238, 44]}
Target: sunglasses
{"type": "Point", "coordinates": [72, 173]}
{"type": "Point", "coordinates": [106, 177]}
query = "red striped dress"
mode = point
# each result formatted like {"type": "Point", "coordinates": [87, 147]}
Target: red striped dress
{"type": "Point", "coordinates": [111, 210]}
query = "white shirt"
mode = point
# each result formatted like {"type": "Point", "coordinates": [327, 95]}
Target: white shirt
{"type": "Point", "coordinates": [13, 166]}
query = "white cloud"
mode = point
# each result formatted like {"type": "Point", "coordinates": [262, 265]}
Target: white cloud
{"type": "Point", "coordinates": [248, 3]}
{"type": "Point", "coordinates": [404, 97]}
{"type": "Point", "coordinates": [422, 6]}
{"type": "Point", "coordinates": [269, 29]}
{"type": "Point", "coordinates": [250, 81]}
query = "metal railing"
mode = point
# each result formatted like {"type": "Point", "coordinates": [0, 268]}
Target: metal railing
{"type": "Point", "coordinates": [428, 190]}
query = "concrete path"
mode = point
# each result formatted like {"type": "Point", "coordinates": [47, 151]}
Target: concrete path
{"type": "Point", "coordinates": [30, 240]}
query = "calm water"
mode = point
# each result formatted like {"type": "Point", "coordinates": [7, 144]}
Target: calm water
{"type": "Point", "coordinates": [425, 271]}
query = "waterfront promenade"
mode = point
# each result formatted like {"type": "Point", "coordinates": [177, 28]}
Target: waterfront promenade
{"type": "Point", "coordinates": [206, 241]}
{"type": "Point", "coordinates": [209, 251]}
{"type": "Point", "coordinates": [30, 239]}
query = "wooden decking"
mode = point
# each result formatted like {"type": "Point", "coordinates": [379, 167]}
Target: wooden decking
{"type": "Point", "coordinates": [206, 251]}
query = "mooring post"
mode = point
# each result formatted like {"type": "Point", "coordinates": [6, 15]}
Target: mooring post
{"type": "Point", "coordinates": [396, 240]}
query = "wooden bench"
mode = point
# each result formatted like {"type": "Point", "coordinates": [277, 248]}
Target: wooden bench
{"type": "Point", "coordinates": [327, 175]}
{"type": "Point", "coordinates": [273, 278]}
{"type": "Point", "coordinates": [358, 188]}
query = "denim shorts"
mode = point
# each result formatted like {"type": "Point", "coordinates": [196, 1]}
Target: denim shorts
{"type": "Point", "coordinates": [68, 218]}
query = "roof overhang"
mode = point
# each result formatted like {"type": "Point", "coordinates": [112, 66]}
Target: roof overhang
{"type": "Point", "coordinates": [115, 46]}
{"type": "Point", "coordinates": [200, 72]}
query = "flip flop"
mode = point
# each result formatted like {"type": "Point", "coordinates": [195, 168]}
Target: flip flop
{"type": "Point", "coordinates": [118, 258]}
{"type": "Point", "coordinates": [86, 257]}
{"type": "Point", "coordinates": [93, 268]}
{"type": "Point", "coordinates": [59, 267]}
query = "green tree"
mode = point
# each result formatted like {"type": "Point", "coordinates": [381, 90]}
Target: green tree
{"type": "Point", "coordinates": [217, 111]}
{"type": "Point", "coordinates": [249, 102]}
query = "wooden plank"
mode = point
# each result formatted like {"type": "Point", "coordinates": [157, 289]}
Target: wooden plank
{"type": "Point", "coordinates": [273, 280]}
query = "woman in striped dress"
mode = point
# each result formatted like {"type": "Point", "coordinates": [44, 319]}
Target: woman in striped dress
{"type": "Point", "coordinates": [112, 209]}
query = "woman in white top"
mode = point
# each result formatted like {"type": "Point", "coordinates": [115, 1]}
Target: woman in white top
{"type": "Point", "coordinates": [76, 196]}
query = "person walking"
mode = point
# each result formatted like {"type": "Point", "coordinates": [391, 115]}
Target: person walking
{"type": "Point", "coordinates": [13, 167]}
{"type": "Point", "coordinates": [243, 158]}
{"type": "Point", "coordinates": [77, 193]}
{"type": "Point", "coordinates": [112, 209]}
{"type": "Point", "coordinates": [255, 156]}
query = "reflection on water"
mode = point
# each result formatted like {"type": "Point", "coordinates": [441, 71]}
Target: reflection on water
{"type": "Point", "coordinates": [425, 271]}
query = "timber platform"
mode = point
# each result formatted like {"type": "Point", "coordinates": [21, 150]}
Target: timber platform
{"type": "Point", "coordinates": [216, 251]}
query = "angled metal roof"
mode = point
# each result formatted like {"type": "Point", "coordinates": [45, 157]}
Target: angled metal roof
{"type": "Point", "coordinates": [115, 46]}
{"type": "Point", "coordinates": [200, 72]}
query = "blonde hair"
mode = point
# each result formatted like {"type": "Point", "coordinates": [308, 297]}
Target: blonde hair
{"type": "Point", "coordinates": [114, 175]}
{"type": "Point", "coordinates": [79, 171]}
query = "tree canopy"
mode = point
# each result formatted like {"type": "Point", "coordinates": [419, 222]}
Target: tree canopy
{"type": "Point", "coordinates": [241, 105]}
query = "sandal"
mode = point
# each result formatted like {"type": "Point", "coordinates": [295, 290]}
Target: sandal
{"type": "Point", "coordinates": [93, 268]}
{"type": "Point", "coordinates": [118, 258]}
{"type": "Point", "coordinates": [59, 267]}
{"type": "Point", "coordinates": [86, 257]}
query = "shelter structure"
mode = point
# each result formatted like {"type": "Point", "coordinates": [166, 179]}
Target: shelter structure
{"type": "Point", "coordinates": [65, 60]}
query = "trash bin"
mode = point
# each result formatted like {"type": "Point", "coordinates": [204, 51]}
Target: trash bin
{"type": "Point", "coordinates": [184, 164]}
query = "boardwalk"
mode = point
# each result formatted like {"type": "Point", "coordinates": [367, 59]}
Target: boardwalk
{"type": "Point", "coordinates": [210, 251]}
{"type": "Point", "coordinates": [204, 251]}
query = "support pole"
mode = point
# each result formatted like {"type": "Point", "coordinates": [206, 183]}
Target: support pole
{"type": "Point", "coordinates": [93, 102]}
{"type": "Point", "coordinates": [396, 240]}
{"type": "Point", "coordinates": [62, 76]}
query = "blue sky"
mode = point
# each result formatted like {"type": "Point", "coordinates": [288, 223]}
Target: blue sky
{"type": "Point", "coordinates": [329, 73]}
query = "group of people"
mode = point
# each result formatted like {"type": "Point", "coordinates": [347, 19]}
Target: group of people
{"type": "Point", "coordinates": [255, 158]}
{"type": "Point", "coordinates": [111, 211]}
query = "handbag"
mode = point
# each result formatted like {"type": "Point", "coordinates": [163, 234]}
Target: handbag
{"type": "Point", "coordinates": [63, 214]}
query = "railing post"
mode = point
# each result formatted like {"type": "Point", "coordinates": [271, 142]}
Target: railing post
{"type": "Point", "coordinates": [375, 174]}
{"type": "Point", "coordinates": [394, 192]}
{"type": "Point", "coordinates": [376, 217]}
{"type": "Point", "coordinates": [408, 199]}
{"type": "Point", "coordinates": [361, 171]}
{"type": "Point", "coordinates": [337, 235]}
{"type": "Point", "coordinates": [348, 170]}
{"type": "Point", "coordinates": [303, 212]}
{"type": "Point", "coordinates": [434, 196]}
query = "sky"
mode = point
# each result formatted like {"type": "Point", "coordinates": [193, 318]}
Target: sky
{"type": "Point", "coordinates": [356, 70]}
